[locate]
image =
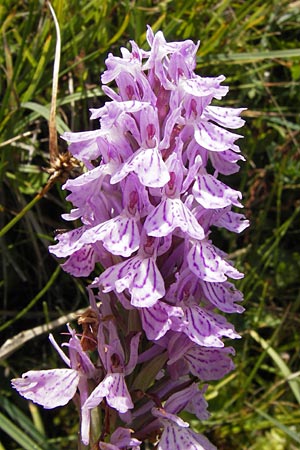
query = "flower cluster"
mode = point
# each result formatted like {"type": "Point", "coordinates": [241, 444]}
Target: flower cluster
{"type": "Point", "coordinates": [147, 201]}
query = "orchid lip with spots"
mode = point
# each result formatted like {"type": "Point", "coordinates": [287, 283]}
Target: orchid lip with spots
{"type": "Point", "coordinates": [147, 209]}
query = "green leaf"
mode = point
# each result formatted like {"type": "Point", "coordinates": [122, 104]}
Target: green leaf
{"type": "Point", "coordinates": [150, 370]}
{"type": "Point", "coordinates": [25, 423]}
{"type": "Point", "coordinates": [254, 56]}
{"type": "Point", "coordinates": [285, 371]}
{"type": "Point", "coordinates": [18, 434]}
{"type": "Point", "coordinates": [292, 434]}
{"type": "Point", "coordinates": [44, 111]}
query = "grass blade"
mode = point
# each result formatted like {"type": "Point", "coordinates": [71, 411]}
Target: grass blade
{"type": "Point", "coordinates": [25, 423]}
{"type": "Point", "coordinates": [278, 424]}
{"type": "Point", "coordinates": [17, 434]}
{"type": "Point", "coordinates": [44, 111]}
{"type": "Point", "coordinates": [285, 371]}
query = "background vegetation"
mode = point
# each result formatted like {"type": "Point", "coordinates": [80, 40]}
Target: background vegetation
{"type": "Point", "coordinates": [256, 46]}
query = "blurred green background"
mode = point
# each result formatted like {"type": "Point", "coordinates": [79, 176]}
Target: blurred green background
{"type": "Point", "coordinates": [256, 45]}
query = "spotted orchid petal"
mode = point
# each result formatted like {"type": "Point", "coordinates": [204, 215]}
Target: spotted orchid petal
{"type": "Point", "coordinates": [211, 193]}
{"type": "Point", "coordinates": [177, 435]}
{"type": "Point", "coordinates": [223, 295]}
{"type": "Point", "coordinates": [160, 318]}
{"type": "Point", "coordinates": [189, 399]}
{"type": "Point", "coordinates": [148, 166]}
{"type": "Point", "coordinates": [49, 388]}
{"type": "Point", "coordinates": [81, 263]}
{"type": "Point", "coordinates": [215, 138]}
{"type": "Point", "coordinates": [120, 235]}
{"type": "Point", "coordinates": [209, 363]}
{"type": "Point", "coordinates": [206, 328]}
{"type": "Point", "coordinates": [114, 389]}
{"type": "Point", "coordinates": [205, 86]}
{"type": "Point", "coordinates": [121, 438]}
{"type": "Point", "coordinates": [169, 215]}
{"type": "Point", "coordinates": [226, 117]}
{"type": "Point", "coordinates": [226, 162]}
{"type": "Point", "coordinates": [232, 221]}
{"type": "Point", "coordinates": [69, 242]}
{"type": "Point", "coordinates": [134, 345]}
{"type": "Point", "coordinates": [140, 276]}
{"type": "Point", "coordinates": [204, 260]}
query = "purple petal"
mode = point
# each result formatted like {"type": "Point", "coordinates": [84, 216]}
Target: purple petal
{"type": "Point", "coordinates": [135, 197]}
{"type": "Point", "coordinates": [69, 243]}
{"type": "Point", "coordinates": [114, 388]}
{"type": "Point", "coordinates": [159, 319]}
{"type": "Point", "coordinates": [112, 110]}
{"type": "Point", "coordinates": [209, 364]}
{"type": "Point", "coordinates": [86, 192]}
{"type": "Point", "coordinates": [214, 138]}
{"type": "Point", "coordinates": [131, 87]}
{"type": "Point", "coordinates": [81, 263]}
{"type": "Point", "coordinates": [90, 179]}
{"type": "Point", "coordinates": [118, 396]}
{"type": "Point", "coordinates": [140, 276]}
{"type": "Point", "coordinates": [198, 405]}
{"type": "Point", "coordinates": [223, 296]}
{"type": "Point", "coordinates": [108, 446]}
{"type": "Point", "coordinates": [205, 262]}
{"type": "Point", "coordinates": [169, 417]}
{"type": "Point", "coordinates": [127, 71]}
{"type": "Point", "coordinates": [122, 437]}
{"type": "Point", "coordinates": [49, 388]}
{"type": "Point", "coordinates": [162, 53]}
{"type": "Point", "coordinates": [226, 117]}
{"type": "Point", "coordinates": [148, 166]}
{"type": "Point", "coordinates": [59, 351]}
{"type": "Point", "coordinates": [109, 92]}
{"type": "Point", "coordinates": [177, 435]}
{"type": "Point", "coordinates": [83, 145]}
{"type": "Point", "coordinates": [178, 345]}
{"type": "Point", "coordinates": [232, 221]}
{"type": "Point", "coordinates": [116, 65]}
{"type": "Point", "coordinates": [169, 127]}
{"type": "Point", "coordinates": [85, 425]}
{"type": "Point", "coordinates": [120, 235]}
{"type": "Point", "coordinates": [80, 360]}
{"type": "Point", "coordinates": [207, 328]}
{"type": "Point", "coordinates": [149, 127]}
{"type": "Point", "coordinates": [133, 359]}
{"type": "Point", "coordinates": [170, 214]}
{"type": "Point", "coordinates": [211, 193]}
{"type": "Point", "coordinates": [226, 162]}
{"type": "Point", "coordinates": [205, 87]}
{"type": "Point", "coordinates": [189, 399]}
{"type": "Point", "coordinates": [164, 245]}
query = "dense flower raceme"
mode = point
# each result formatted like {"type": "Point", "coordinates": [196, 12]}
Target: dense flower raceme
{"type": "Point", "coordinates": [147, 201]}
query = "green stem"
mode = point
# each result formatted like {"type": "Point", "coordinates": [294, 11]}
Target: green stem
{"type": "Point", "coordinates": [26, 208]}
{"type": "Point", "coordinates": [19, 216]}
{"type": "Point", "coordinates": [33, 301]}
